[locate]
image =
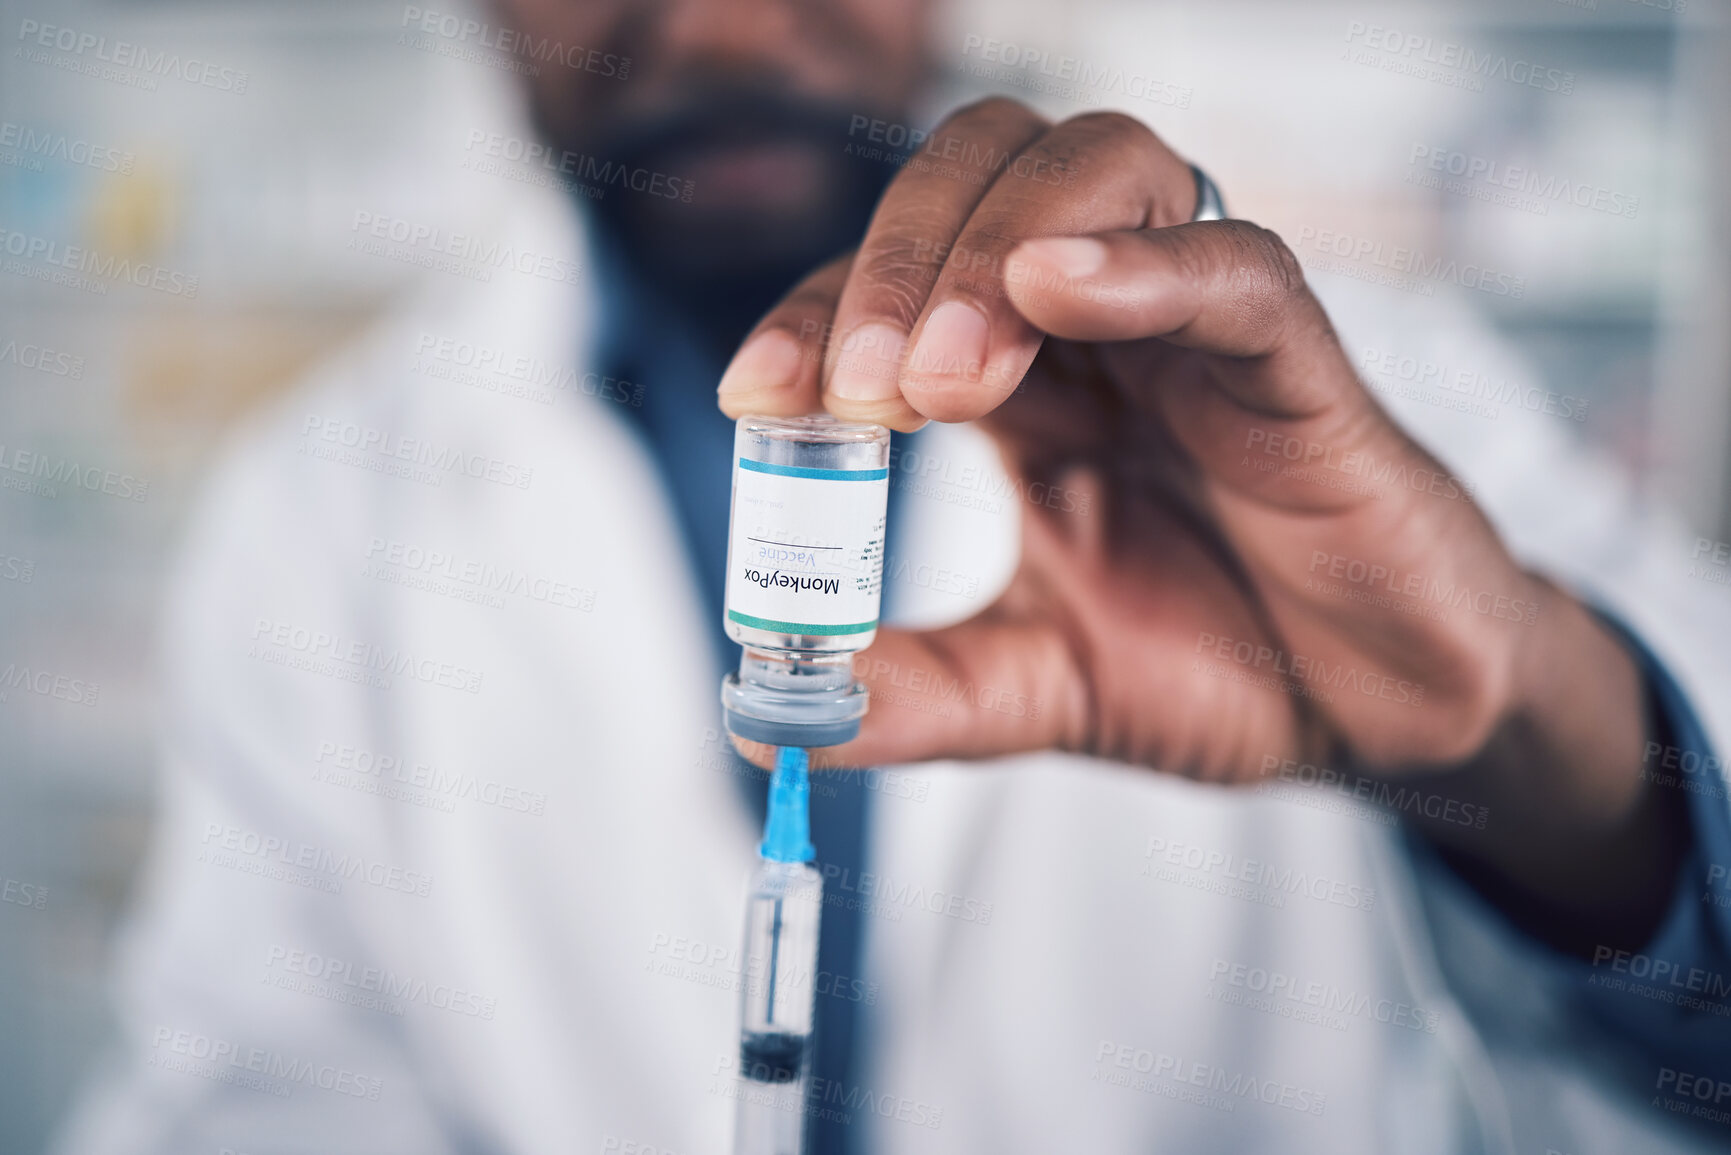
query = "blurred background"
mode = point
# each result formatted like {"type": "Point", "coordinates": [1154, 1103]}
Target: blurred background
{"type": "Point", "coordinates": [233, 195]}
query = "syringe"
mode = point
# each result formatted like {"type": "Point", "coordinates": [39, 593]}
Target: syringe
{"type": "Point", "coordinates": [781, 927]}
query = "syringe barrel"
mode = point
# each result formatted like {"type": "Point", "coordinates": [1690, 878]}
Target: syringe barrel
{"type": "Point", "coordinates": [782, 916]}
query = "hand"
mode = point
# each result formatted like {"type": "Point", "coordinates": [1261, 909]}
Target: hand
{"type": "Point", "coordinates": [1225, 602]}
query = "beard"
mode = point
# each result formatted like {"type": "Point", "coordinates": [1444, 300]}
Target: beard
{"type": "Point", "coordinates": [777, 193]}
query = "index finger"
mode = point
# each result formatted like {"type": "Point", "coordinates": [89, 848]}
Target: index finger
{"type": "Point", "coordinates": [909, 240]}
{"type": "Point", "coordinates": [971, 345]}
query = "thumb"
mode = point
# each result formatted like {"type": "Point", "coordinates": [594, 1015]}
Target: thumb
{"type": "Point", "coordinates": [1222, 287]}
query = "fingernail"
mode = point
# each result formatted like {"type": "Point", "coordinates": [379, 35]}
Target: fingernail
{"type": "Point", "coordinates": [1072, 256]}
{"type": "Point", "coordinates": [769, 360]}
{"type": "Point", "coordinates": [868, 363]}
{"type": "Point", "coordinates": [953, 343]}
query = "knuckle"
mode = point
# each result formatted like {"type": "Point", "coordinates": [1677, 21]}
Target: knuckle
{"type": "Point", "coordinates": [898, 302]}
{"type": "Point", "coordinates": [1282, 261]}
{"type": "Point", "coordinates": [1266, 270]}
{"type": "Point", "coordinates": [989, 110]}
{"type": "Point", "coordinates": [995, 229]}
{"type": "Point", "coordinates": [1124, 153]}
{"type": "Point", "coordinates": [1252, 266]}
{"type": "Point", "coordinates": [895, 276]}
{"type": "Point", "coordinates": [1110, 125]}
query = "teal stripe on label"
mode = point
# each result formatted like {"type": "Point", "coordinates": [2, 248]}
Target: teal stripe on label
{"type": "Point", "coordinates": [815, 474]}
{"type": "Point", "coordinates": [798, 627]}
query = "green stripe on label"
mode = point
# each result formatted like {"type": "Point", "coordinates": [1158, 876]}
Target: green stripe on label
{"type": "Point", "coordinates": [815, 474]}
{"type": "Point", "coordinates": [798, 627]}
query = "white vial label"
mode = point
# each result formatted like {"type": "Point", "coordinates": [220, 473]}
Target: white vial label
{"type": "Point", "coordinates": [807, 553]}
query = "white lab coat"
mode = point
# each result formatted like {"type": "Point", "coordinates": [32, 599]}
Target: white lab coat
{"type": "Point", "coordinates": [564, 981]}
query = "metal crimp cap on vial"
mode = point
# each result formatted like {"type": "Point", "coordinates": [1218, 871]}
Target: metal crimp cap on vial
{"type": "Point", "coordinates": [794, 700]}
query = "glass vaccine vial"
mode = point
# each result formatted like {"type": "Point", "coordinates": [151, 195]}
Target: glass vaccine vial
{"type": "Point", "coordinates": [805, 558]}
